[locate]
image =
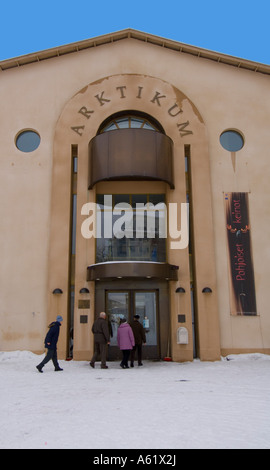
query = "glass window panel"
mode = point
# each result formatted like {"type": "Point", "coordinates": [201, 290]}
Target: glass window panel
{"type": "Point", "coordinates": [143, 238]}
{"type": "Point", "coordinates": [111, 127]}
{"type": "Point", "coordinates": [156, 198]}
{"type": "Point", "coordinates": [117, 308]}
{"type": "Point", "coordinates": [145, 306]}
{"type": "Point", "coordinates": [136, 123]}
{"type": "Point", "coordinates": [75, 164]}
{"type": "Point", "coordinates": [118, 198]}
{"type": "Point", "coordinates": [131, 121]}
{"type": "Point", "coordinates": [74, 216]}
{"type": "Point", "coordinates": [104, 250]}
{"type": "Point", "coordinates": [123, 123]}
{"type": "Point", "coordinates": [139, 198]}
{"type": "Point", "coordinates": [100, 200]}
{"type": "Point", "coordinates": [131, 249]}
{"type": "Point", "coordinates": [148, 126]}
{"type": "Point", "coordinates": [108, 200]}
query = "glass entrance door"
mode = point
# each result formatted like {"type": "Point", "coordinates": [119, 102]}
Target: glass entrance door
{"type": "Point", "coordinates": [145, 306]}
{"type": "Point", "coordinates": [126, 304]}
{"type": "Point", "coordinates": [117, 308]}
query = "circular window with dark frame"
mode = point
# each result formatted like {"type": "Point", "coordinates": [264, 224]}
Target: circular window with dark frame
{"type": "Point", "coordinates": [27, 140]}
{"type": "Point", "coordinates": [231, 140]}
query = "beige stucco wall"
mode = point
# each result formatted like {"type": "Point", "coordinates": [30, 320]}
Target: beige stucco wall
{"type": "Point", "coordinates": [35, 96]}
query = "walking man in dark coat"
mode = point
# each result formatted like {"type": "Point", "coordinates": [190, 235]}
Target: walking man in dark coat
{"type": "Point", "coordinates": [51, 345]}
{"type": "Point", "coordinates": [139, 335]}
{"type": "Point", "coordinates": [100, 329]}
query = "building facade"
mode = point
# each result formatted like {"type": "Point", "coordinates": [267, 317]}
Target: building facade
{"type": "Point", "coordinates": [135, 179]}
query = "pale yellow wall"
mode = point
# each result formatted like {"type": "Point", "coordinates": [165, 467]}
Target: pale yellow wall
{"type": "Point", "coordinates": [34, 96]}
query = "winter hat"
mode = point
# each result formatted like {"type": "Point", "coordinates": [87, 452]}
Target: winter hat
{"type": "Point", "coordinates": [59, 318]}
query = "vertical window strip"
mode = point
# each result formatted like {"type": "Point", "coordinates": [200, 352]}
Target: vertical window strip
{"type": "Point", "coordinates": [72, 252]}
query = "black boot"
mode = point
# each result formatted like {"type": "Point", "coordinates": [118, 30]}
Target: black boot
{"type": "Point", "coordinates": [39, 369]}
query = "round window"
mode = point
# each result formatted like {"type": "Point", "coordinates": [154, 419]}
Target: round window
{"type": "Point", "coordinates": [231, 140]}
{"type": "Point", "coordinates": [27, 141]}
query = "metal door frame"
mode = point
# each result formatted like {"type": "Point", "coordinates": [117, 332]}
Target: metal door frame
{"type": "Point", "coordinates": [162, 305]}
{"type": "Point", "coordinates": [151, 351]}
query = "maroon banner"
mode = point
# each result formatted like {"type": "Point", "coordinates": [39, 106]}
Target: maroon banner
{"type": "Point", "coordinates": [241, 272]}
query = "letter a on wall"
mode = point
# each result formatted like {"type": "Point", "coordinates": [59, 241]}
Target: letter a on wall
{"type": "Point", "coordinates": [241, 272]}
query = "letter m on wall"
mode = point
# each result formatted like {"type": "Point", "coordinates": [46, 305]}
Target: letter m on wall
{"type": "Point", "coordinates": [182, 129]}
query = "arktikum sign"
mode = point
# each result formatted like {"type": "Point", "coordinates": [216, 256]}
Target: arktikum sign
{"type": "Point", "coordinates": [121, 92]}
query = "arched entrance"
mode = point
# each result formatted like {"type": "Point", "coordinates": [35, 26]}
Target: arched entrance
{"type": "Point", "coordinates": [87, 165]}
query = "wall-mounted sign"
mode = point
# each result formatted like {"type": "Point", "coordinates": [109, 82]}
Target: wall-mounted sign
{"type": "Point", "coordinates": [241, 272]}
{"type": "Point", "coordinates": [83, 303]}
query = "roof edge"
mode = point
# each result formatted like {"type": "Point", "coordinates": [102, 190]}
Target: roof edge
{"type": "Point", "coordinates": [138, 35]}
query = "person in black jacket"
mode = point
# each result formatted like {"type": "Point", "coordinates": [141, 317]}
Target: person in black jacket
{"type": "Point", "coordinates": [139, 335]}
{"type": "Point", "coordinates": [100, 329]}
{"type": "Point", "coordinates": [51, 345]}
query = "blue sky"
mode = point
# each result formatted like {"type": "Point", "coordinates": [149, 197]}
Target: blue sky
{"type": "Point", "coordinates": [235, 27]}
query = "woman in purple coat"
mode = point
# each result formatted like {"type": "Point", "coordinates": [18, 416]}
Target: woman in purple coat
{"type": "Point", "coordinates": [125, 340]}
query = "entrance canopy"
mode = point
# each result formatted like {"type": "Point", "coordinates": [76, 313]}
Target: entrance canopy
{"type": "Point", "coordinates": [134, 269]}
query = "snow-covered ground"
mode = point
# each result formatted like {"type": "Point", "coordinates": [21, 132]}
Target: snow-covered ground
{"type": "Point", "coordinates": [162, 405]}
